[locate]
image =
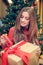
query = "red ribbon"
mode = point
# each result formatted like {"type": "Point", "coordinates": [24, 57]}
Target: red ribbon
{"type": "Point", "coordinates": [15, 50]}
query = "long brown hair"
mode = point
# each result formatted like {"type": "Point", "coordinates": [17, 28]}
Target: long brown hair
{"type": "Point", "coordinates": [33, 29]}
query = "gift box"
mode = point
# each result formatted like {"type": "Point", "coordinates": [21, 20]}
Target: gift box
{"type": "Point", "coordinates": [14, 60]}
{"type": "Point", "coordinates": [27, 48]}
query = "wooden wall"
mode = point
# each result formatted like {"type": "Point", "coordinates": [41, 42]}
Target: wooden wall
{"type": "Point", "coordinates": [40, 11]}
{"type": "Point", "coordinates": [3, 8]}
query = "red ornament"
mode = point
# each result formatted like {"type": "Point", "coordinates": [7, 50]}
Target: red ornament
{"type": "Point", "coordinates": [35, 3]}
{"type": "Point", "coordinates": [40, 42]}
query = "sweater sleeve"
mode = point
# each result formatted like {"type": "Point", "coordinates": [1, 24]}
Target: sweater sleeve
{"type": "Point", "coordinates": [10, 34]}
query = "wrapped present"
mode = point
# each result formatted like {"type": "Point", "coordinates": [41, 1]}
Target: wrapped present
{"type": "Point", "coordinates": [26, 48]}
{"type": "Point", "coordinates": [29, 47]}
{"type": "Point", "coordinates": [14, 60]}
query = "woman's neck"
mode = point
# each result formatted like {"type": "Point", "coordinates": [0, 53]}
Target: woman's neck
{"type": "Point", "coordinates": [25, 28]}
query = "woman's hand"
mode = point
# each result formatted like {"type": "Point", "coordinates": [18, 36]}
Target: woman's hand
{"type": "Point", "coordinates": [2, 39]}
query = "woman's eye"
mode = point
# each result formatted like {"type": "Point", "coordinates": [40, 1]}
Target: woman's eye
{"type": "Point", "coordinates": [21, 16]}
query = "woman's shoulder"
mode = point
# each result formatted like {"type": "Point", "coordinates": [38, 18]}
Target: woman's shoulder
{"type": "Point", "coordinates": [11, 32]}
{"type": "Point", "coordinates": [12, 28]}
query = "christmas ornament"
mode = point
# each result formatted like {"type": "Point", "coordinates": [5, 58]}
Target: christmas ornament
{"type": "Point", "coordinates": [35, 3]}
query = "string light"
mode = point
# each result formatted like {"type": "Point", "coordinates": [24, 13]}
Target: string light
{"type": "Point", "coordinates": [10, 1]}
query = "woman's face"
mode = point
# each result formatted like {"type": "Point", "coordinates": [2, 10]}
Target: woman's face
{"type": "Point", "coordinates": [24, 19]}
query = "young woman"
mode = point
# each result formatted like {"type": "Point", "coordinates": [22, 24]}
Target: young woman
{"type": "Point", "coordinates": [25, 27]}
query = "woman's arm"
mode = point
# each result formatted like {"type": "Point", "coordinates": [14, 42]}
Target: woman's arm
{"type": "Point", "coordinates": [10, 34]}
{"type": "Point", "coordinates": [6, 40]}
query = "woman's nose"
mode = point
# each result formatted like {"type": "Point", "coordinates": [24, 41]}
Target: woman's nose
{"type": "Point", "coordinates": [23, 19]}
